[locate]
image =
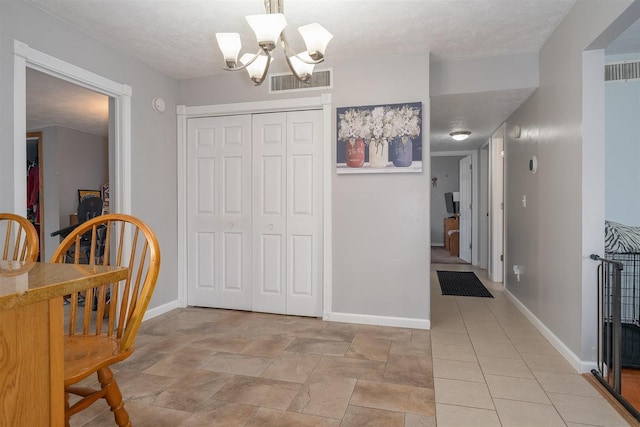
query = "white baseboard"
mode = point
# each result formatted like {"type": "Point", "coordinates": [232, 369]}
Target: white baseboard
{"type": "Point", "coordinates": [366, 319]}
{"type": "Point", "coordinates": [570, 356]}
{"type": "Point", "coordinates": [157, 311]}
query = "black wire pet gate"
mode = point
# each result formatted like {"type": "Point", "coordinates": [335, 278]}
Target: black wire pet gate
{"type": "Point", "coordinates": [618, 319]}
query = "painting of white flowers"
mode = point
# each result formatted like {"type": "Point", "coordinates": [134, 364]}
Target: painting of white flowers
{"type": "Point", "coordinates": [379, 138]}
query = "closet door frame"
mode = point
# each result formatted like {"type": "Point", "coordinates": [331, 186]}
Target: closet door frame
{"type": "Point", "coordinates": [184, 113]}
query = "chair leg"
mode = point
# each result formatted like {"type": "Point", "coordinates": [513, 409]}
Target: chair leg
{"type": "Point", "coordinates": [113, 397]}
{"type": "Point", "coordinates": [67, 417]}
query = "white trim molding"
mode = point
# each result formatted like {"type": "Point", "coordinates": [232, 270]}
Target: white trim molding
{"type": "Point", "coordinates": [27, 57]}
{"type": "Point", "coordinates": [367, 319]}
{"type": "Point", "coordinates": [185, 113]}
{"type": "Point", "coordinates": [577, 364]}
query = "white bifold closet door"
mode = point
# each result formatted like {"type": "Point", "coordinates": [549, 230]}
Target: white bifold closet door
{"type": "Point", "coordinates": [267, 200]}
{"type": "Point", "coordinates": [219, 212]}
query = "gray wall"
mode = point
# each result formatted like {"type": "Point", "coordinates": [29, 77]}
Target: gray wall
{"type": "Point", "coordinates": [622, 126]}
{"type": "Point", "coordinates": [72, 160]}
{"type": "Point", "coordinates": [546, 236]}
{"type": "Point", "coordinates": [154, 179]}
{"type": "Point", "coordinates": [447, 170]}
{"type": "Point", "coordinates": [380, 222]}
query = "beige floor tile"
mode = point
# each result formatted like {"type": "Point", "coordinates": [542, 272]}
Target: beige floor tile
{"type": "Point", "coordinates": [421, 336]}
{"type": "Point", "coordinates": [535, 346]}
{"type": "Point", "coordinates": [457, 370]}
{"type": "Point", "coordinates": [438, 337]}
{"type": "Point", "coordinates": [140, 387]}
{"type": "Point", "coordinates": [506, 367]}
{"type": "Point", "coordinates": [506, 349]}
{"type": "Point", "coordinates": [350, 368]}
{"type": "Point", "coordinates": [293, 367]}
{"type": "Point", "coordinates": [411, 348]}
{"type": "Point", "coordinates": [546, 363]}
{"type": "Point", "coordinates": [324, 396]}
{"type": "Point", "coordinates": [317, 346]}
{"type": "Point", "coordinates": [514, 413]}
{"type": "Point", "coordinates": [385, 332]}
{"type": "Point", "coordinates": [143, 415]}
{"type": "Point", "coordinates": [409, 370]}
{"type": "Point", "coordinates": [171, 343]}
{"type": "Point", "coordinates": [364, 347]}
{"type": "Point", "coordinates": [513, 388]}
{"type": "Point", "coordinates": [264, 417]}
{"type": "Point", "coordinates": [412, 420]}
{"type": "Point", "coordinates": [225, 415]}
{"type": "Point", "coordinates": [357, 416]}
{"type": "Point", "coordinates": [179, 364]}
{"type": "Point", "coordinates": [259, 392]}
{"type": "Point", "coordinates": [586, 410]}
{"type": "Point", "coordinates": [141, 360]}
{"type": "Point", "coordinates": [239, 364]}
{"type": "Point", "coordinates": [459, 416]}
{"type": "Point", "coordinates": [462, 393]}
{"type": "Point", "coordinates": [192, 393]}
{"type": "Point", "coordinates": [268, 346]}
{"type": "Point", "coordinates": [453, 352]}
{"type": "Point", "coordinates": [394, 397]}
{"type": "Point", "coordinates": [222, 344]}
{"type": "Point", "coordinates": [345, 332]}
{"type": "Point", "coordinates": [554, 382]}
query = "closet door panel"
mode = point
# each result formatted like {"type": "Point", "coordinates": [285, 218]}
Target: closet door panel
{"type": "Point", "coordinates": [219, 212]}
{"type": "Point", "coordinates": [269, 219]}
{"type": "Point", "coordinates": [304, 213]}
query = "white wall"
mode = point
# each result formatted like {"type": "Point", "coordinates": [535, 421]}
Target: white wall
{"type": "Point", "coordinates": [447, 170]}
{"type": "Point", "coordinates": [622, 152]}
{"type": "Point", "coordinates": [153, 135]}
{"type": "Point", "coordinates": [546, 236]}
{"type": "Point", "coordinates": [380, 221]}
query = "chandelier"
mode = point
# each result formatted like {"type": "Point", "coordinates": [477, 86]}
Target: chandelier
{"type": "Point", "coordinates": [268, 28]}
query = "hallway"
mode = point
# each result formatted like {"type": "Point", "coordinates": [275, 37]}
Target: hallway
{"type": "Point", "coordinates": [492, 367]}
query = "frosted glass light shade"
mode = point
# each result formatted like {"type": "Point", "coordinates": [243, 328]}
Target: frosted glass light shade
{"type": "Point", "coordinates": [267, 27]}
{"type": "Point", "coordinates": [316, 38]}
{"type": "Point", "coordinates": [230, 45]}
{"type": "Point", "coordinates": [460, 135]}
{"type": "Point", "coordinates": [300, 66]}
{"type": "Point", "coordinates": [257, 67]}
{"type": "Point", "coordinates": [456, 196]}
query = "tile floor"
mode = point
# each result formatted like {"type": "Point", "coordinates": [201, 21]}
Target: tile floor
{"type": "Point", "coordinates": [481, 364]}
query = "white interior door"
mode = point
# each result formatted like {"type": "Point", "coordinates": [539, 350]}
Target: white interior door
{"type": "Point", "coordinates": [465, 208]}
{"type": "Point", "coordinates": [269, 212]}
{"type": "Point", "coordinates": [287, 213]}
{"type": "Point", "coordinates": [304, 213]}
{"type": "Point", "coordinates": [219, 212]}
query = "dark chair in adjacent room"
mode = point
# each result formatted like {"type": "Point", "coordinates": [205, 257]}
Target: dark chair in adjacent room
{"type": "Point", "coordinates": [88, 208]}
{"type": "Point", "coordinates": [92, 346]}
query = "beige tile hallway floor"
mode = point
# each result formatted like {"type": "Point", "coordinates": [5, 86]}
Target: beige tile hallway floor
{"type": "Point", "coordinates": [482, 364]}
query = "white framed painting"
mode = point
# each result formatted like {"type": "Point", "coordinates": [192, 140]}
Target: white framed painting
{"type": "Point", "coordinates": [379, 138]}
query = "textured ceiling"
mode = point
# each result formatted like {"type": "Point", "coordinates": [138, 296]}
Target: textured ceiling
{"type": "Point", "coordinates": [177, 37]}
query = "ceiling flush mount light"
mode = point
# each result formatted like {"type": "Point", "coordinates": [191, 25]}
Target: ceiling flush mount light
{"type": "Point", "coordinates": [460, 135]}
{"type": "Point", "coordinates": [268, 28]}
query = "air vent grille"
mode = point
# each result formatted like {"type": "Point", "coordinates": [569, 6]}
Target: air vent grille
{"type": "Point", "coordinates": [321, 79]}
{"type": "Point", "coordinates": [622, 71]}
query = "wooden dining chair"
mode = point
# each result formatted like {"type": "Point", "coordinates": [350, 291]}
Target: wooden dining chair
{"type": "Point", "coordinates": [21, 241]}
{"type": "Point", "coordinates": [101, 334]}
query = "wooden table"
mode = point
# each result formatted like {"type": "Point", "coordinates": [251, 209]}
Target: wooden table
{"type": "Point", "coordinates": [31, 336]}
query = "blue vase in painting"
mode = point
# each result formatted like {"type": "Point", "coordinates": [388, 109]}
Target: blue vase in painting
{"type": "Point", "coordinates": [402, 152]}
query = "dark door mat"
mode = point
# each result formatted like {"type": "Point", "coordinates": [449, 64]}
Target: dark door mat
{"type": "Point", "coordinates": [463, 284]}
